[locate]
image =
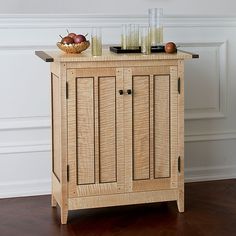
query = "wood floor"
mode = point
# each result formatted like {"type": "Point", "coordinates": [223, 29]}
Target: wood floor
{"type": "Point", "coordinates": [210, 210]}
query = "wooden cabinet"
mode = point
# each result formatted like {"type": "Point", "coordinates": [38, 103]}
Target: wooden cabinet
{"type": "Point", "coordinates": [117, 128]}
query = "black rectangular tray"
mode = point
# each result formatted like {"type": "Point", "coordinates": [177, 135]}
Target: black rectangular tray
{"type": "Point", "coordinates": [154, 49]}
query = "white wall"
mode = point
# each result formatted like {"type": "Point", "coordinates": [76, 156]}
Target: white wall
{"type": "Point", "coordinates": [210, 114]}
{"type": "Point", "coordinates": [174, 7]}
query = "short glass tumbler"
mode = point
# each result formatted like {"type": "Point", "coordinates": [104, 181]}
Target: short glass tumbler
{"type": "Point", "coordinates": [124, 37]}
{"type": "Point", "coordinates": [145, 40]}
{"type": "Point", "coordinates": [96, 41]}
{"type": "Point", "coordinates": [133, 37]}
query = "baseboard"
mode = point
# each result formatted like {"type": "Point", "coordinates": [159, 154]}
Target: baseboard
{"type": "Point", "coordinates": [210, 173]}
{"type": "Point", "coordinates": [25, 188]}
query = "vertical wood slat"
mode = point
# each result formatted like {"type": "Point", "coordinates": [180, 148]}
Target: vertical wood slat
{"type": "Point", "coordinates": [151, 135]}
{"type": "Point", "coordinates": [55, 83]}
{"type": "Point", "coordinates": [140, 113]}
{"type": "Point", "coordinates": [63, 143]}
{"type": "Point", "coordinates": [107, 129]}
{"type": "Point", "coordinates": [120, 151]}
{"type": "Point", "coordinates": [162, 125]}
{"type": "Point", "coordinates": [180, 200]}
{"type": "Point", "coordinates": [128, 131]}
{"type": "Point", "coordinates": [96, 130]}
{"type": "Point", "coordinates": [174, 125]}
{"type": "Point", "coordinates": [85, 130]}
{"type": "Point", "coordinates": [72, 138]}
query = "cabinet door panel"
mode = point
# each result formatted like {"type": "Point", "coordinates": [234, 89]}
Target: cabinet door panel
{"type": "Point", "coordinates": [154, 124]}
{"type": "Point", "coordinates": [94, 112]}
{"type": "Point", "coordinates": [107, 128]}
{"type": "Point", "coordinates": [161, 126]}
{"type": "Point", "coordinates": [85, 130]}
{"type": "Point", "coordinates": [140, 123]}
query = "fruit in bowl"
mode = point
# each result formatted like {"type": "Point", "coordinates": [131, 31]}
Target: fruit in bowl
{"type": "Point", "coordinates": [67, 40]}
{"type": "Point", "coordinates": [79, 38]}
{"type": "Point", "coordinates": [73, 43]}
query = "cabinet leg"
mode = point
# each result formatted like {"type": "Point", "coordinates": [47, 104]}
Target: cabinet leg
{"type": "Point", "coordinates": [64, 216]}
{"type": "Point", "coordinates": [53, 201]}
{"type": "Point", "coordinates": [180, 200]}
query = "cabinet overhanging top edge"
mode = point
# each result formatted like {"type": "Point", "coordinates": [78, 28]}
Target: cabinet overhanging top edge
{"type": "Point", "coordinates": [44, 56]}
{"type": "Point", "coordinates": [51, 56]}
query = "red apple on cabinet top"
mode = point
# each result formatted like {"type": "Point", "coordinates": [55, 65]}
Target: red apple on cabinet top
{"type": "Point", "coordinates": [79, 38]}
{"type": "Point", "coordinates": [72, 35]}
{"type": "Point", "coordinates": [170, 47]}
{"type": "Point", "coordinates": [67, 40]}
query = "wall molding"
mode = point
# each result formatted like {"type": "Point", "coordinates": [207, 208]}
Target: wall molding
{"type": "Point", "coordinates": [20, 47]}
{"type": "Point", "coordinates": [45, 146]}
{"type": "Point", "coordinates": [25, 188]}
{"type": "Point", "coordinates": [39, 21]}
{"type": "Point", "coordinates": [198, 137]}
{"type": "Point", "coordinates": [26, 147]}
{"type": "Point", "coordinates": [220, 111]}
{"type": "Point", "coordinates": [198, 174]}
{"type": "Point", "coordinates": [26, 122]}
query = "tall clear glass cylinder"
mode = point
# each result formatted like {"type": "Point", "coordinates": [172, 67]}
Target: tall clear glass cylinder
{"type": "Point", "coordinates": [155, 16]}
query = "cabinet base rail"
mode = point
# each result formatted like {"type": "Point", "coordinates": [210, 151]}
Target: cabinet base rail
{"type": "Point", "coordinates": [120, 199]}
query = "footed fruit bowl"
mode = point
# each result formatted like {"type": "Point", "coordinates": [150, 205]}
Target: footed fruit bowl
{"type": "Point", "coordinates": [74, 47]}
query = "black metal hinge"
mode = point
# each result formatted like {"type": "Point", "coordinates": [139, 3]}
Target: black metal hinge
{"type": "Point", "coordinates": [67, 90]}
{"type": "Point", "coordinates": [179, 85]}
{"type": "Point", "coordinates": [179, 164]}
{"type": "Point", "coordinates": [68, 173]}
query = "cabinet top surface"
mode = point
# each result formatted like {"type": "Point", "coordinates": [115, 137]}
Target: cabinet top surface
{"type": "Point", "coordinates": [58, 56]}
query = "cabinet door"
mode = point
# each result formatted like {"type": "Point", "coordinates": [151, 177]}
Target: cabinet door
{"type": "Point", "coordinates": [151, 128]}
{"type": "Point", "coordinates": [95, 132]}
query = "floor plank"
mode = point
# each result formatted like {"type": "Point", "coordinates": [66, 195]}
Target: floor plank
{"type": "Point", "coordinates": [210, 210]}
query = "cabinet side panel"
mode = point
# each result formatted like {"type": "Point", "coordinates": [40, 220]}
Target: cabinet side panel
{"type": "Point", "coordinates": [56, 142]}
{"type": "Point", "coordinates": [161, 126]}
{"type": "Point", "coordinates": [141, 158]}
{"type": "Point", "coordinates": [85, 130]}
{"type": "Point", "coordinates": [107, 129]}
